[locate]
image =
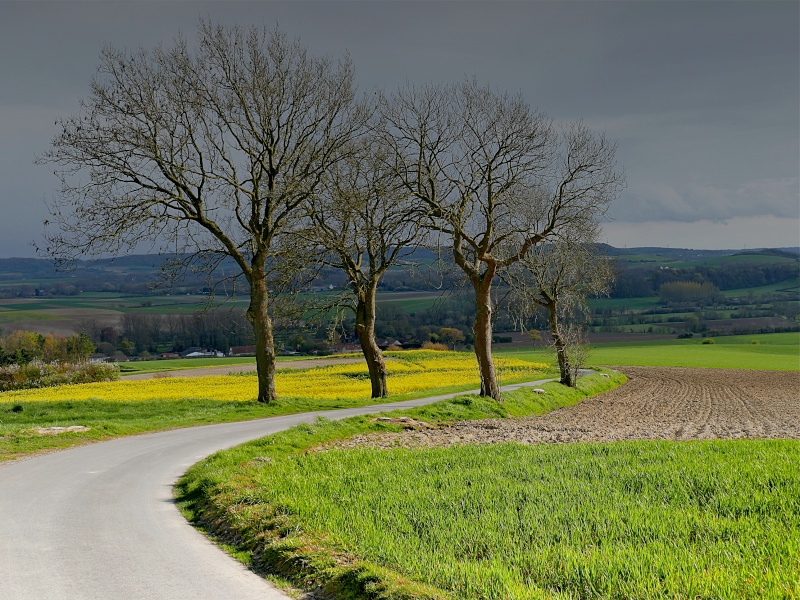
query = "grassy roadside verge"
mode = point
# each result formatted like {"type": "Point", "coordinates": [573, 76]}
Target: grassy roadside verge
{"type": "Point", "coordinates": [271, 531]}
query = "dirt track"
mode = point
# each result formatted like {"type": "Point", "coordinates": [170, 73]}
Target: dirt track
{"type": "Point", "coordinates": [656, 403]}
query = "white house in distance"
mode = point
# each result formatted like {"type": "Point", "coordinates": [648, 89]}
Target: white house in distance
{"type": "Point", "coordinates": [195, 352]}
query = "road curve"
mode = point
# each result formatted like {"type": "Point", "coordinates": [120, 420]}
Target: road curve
{"type": "Point", "coordinates": [99, 521]}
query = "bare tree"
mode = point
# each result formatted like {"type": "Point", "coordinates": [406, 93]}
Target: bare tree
{"type": "Point", "coordinates": [211, 152]}
{"type": "Point", "coordinates": [363, 224]}
{"type": "Point", "coordinates": [559, 276]}
{"type": "Point", "coordinates": [496, 179]}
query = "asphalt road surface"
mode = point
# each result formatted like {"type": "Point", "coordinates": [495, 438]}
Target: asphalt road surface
{"type": "Point", "coordinates": [99, 521]}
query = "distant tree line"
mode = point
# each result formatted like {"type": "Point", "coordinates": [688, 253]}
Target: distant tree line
{"type": "Point", "coordinates": [143, 334]}
{"type": "Point", "coordinates": [22, 347]}
{"type": "Point", "coordinates": [642, 282]}
{"type": "Point", "coordinates": [692, 292]}
{"type": "Point", "coordinates": [244, 149]}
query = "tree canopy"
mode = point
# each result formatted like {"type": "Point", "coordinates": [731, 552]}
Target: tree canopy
{"type": "Point", "coordinates": [211, 149]}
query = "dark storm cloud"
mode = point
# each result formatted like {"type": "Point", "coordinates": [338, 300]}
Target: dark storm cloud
{"type": "Point", "coordinates": [703, 97]}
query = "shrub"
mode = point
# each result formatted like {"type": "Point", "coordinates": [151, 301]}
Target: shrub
{"type": "Point", "coordinates": [708, 341]}
{"type": "Point", "coordinates": [435, 346]}
{"type": "Point", "coordinates": [37, 374]}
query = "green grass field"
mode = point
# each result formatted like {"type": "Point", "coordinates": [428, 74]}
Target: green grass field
{"type": "Point", "coordinates": [622, 304]}
{"type": "Point", "coordinates": [774, 351]}
{"type": "Point", "coordinates": [790, 286]}
{"type": "Point", "coordinates": [735, 259]}
{"type": "Point", "coordinates": [175, 364]}
{"type": "Point", "coordinates": [656, 519]}
{"type": "Point", "coordinates": [11, 316]}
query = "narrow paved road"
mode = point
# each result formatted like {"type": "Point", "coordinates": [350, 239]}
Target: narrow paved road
{"type": "Point", "coordinates": [98, 521]}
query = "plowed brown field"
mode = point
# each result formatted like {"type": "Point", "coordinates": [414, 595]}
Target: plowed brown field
{"type": "Point", "coordinates": [657, 403]}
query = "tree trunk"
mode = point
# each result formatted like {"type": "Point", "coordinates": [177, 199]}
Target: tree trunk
{"type": "Point", "coordinates": [258, 316]}
{"type": "Point", "coordinates": [482, 329]}
{"type": "Point", "coordinates": [560, 345]}
{"type": "Point", "coordinates": [365, 329]}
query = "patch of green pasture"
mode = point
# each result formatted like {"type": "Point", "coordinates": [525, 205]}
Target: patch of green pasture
{"type": "Point", "coordinates": [694, 353]}
{"type": "Point", "coordinates": [25, 316]}
{"type": "Point", "coordinates": [44, 304]}
{"type": "Point", "coordinates": [625, 304]}
{"type": "Point", "coordinates": [162, 309]}
{"type": "Point", "coordinates": [176, 364]}
{"type": "Point", "coordinates": [637, 520]}
{"type": "Point", "coordinates": [30, 306]}
{"type": "Point", "coordinates": [43, 282]}
{"type": "Point", "coordinates": [774, 351]}
{"type": "Point", "coordinates": [791, 286]}
{"type": "Point", "coordinates": [644, 258]}
{"type": "Point", "coordinates": [181, 307]}
{"type": "Point", "coordinates": [101, 295]}
{"type": "Point", "coordinates": [411, 305]}
{"type": "Point", "coordinates": [121, 303]}
{"type": "Point", "coordinates": [735, 259]}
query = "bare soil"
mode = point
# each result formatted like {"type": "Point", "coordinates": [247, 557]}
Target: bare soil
{"type": "Point", "coordinates": [657, 403]}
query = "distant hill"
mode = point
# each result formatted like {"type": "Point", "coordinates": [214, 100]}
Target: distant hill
{"type": "Point", "coordinates": [137, 274]}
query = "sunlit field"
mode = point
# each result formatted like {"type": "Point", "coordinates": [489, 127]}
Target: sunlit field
{"type": "Point", "coordinates": [409, 372]}
{"type": "Point", "coordinates": [514, 522]}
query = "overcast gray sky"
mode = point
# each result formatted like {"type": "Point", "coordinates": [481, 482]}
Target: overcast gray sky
{"type": "Point", "coordinates": [702, 97]}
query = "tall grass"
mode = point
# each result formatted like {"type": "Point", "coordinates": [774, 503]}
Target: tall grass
{"type": "Point", "coordinates": [643, 520]}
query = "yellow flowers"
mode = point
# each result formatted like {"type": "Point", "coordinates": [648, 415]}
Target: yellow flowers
{"type": "Point", "coordinates": [409, 371]}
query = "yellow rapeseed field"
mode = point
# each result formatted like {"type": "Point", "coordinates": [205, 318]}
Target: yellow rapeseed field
{"type": "Point", "coordinates": [409, 371]}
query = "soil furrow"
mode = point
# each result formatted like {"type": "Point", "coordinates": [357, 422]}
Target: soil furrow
{"type": "Point", "coordinates": [658, 403]}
